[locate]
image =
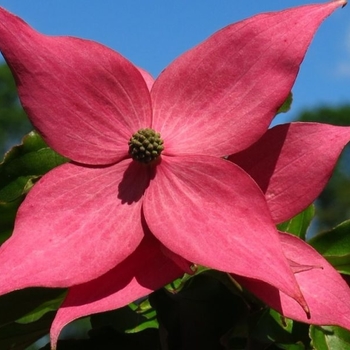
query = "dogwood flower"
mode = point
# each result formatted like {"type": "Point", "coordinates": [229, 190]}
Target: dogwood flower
{"type": "Point", "coordinates": [149, 189]}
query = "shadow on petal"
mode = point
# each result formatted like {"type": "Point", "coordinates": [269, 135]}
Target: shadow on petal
{"type": "Point", "coordinates": [259, 163]}
{"type": "Point", "coordinates": [144, 271]}
{"type": "Point", "coordinates": [139, 266]}
{"type": "Point", "coordinates": [292, 163]}
{"type": "Point", "coordinates": [134, 183]}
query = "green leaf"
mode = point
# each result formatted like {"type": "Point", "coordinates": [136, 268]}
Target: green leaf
{"type": "Point", "coordinates": [24, 164]}
{"type": "Point", "coordinates": [329, 338]}
{"type": "Point", "coordinates": [7, 218]}
{"type": "Point", "coordinates": [272, 327]}
{"type": "Point", "coordinates": [296, 346]}
{"type": "Point", "coordinates": [334, 245]}
{"type": "Point", "coordinates": [152, 323]}
{"type": "Point", "coordinates": [145, 309]}
{"type": "Point", "coordinates": [17, 304]}
{"type": "Point", "coordinates": [129, 319]}
{"type": "Point", "coordinates": [299, 224]}
{"type": "Point", "coordinates": [177, 285]}
{"type": "Point", "coordinates": [198, 315]}
{"type": "Point", "coordinates": [41, 310]}
{"type": "Point", "coordinates": [286, 104]}
{"type": "Point", "coordinates": [34, 303]}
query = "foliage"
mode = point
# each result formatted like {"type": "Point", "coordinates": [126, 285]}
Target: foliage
{"type": "Point", "coordinates": [13, 120]}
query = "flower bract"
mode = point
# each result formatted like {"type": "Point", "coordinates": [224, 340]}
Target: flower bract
{"type": "Point", "coordinates": [167, 172]}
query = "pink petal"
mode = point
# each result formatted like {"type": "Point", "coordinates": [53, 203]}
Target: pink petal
{"type": "Point", "coordinates": [292, 163]}
{"type": "Point", "coordinates": [210, 212]}
{"type": "Point", "coordinates": [147, 78]}
{"type": "Point", "coordinates": [221, 96]}
{"type": "Point", "coordinates": [144, 271]}
{"type": "Point", "coordinates": [85, 99]}
{"type": "Point", "coordinates": [325, 291]}
{"type": "Point", "coordinates": [75, 225]}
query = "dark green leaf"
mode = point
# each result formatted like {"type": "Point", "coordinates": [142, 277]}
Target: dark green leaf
{"type": "Point", "coordinates": [23, 302]}
{"type": "Point", "coordinates": [7, 218]}
{"type": "Point", "coordinates": [45, 307]}
{"type": "Point", "coordinates": [14, 122]}
{"type": "Point", "coordinates": [109, 338]}
{"type": "Point", "coordinates": [129, 319]}
{"type": "Point", "coordinates": [17, 336]}
{"type": "Point", "coordinates": [286, 105]}
{"type": "Point", "coordinates": [272, 327]}
{"type": "Point", "coordinates": [178, 284]}
{"type": "Point", "coordinates": [299, 224]}
{"type": "Point", "coordinates": [329, 338]}
{"type": "Point", "coordinates": [291, 346]}
{"type": "Point", "coordinates": [334, 245]}
{"type": "Point", "coordinates": [24, 164]}
{"type": "Point", "coordinates": [198, 316]}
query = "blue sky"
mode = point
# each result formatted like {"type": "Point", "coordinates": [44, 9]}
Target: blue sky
{"type": "Point", "coordinates": [151, 33]}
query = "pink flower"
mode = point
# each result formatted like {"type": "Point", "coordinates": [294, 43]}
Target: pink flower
{"type": "Point", "coordinates": [118, 213]}
{"type": "Point", "coordinates": [292, 163]}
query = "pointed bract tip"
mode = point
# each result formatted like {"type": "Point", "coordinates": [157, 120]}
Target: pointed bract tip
{"type": "Point", "coordinates": [302, 302]}
{"type": "Point", "coordinates": [308, 313]}
{"type": "Point", "coordinates": [341, 2]}
{"type": "Point", "coordinates": [306, 308]}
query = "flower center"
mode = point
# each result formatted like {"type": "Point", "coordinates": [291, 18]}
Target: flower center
{"type": "Point", "coordinates": [145, 145]}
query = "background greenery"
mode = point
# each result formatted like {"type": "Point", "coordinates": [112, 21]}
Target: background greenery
{"type": "Point", "coordinates": [14, 123]}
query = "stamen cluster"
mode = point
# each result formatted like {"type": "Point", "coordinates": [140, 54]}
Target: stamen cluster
{"type": "Point", "coordinates": [145, 145]}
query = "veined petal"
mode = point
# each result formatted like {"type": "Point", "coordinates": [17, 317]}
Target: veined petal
{"type": "Point", "coordinates": [75, 224]}
{"type": "Point", "coordinates": [221, 96]}
{"type": "Point", "coordinates": [325, 291]}
{"type": "Point", "coordinates": [210, 212]}
{"type": "Point", "coordinates": [292, 163]}
{"type": "Point", "coordinates": [145, 270]}
{"type": "Point", "coordinates": [85, 99]}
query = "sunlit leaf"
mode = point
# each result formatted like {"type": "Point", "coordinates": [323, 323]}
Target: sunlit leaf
{"type": "Point", "coordinates": [286, 105]}
{"type": "Point", "coordinates": [178, 284]}
{"type": "Point", "coordinates": [299, 224]}
{"type": "Point", "coordinates": [45, 307]}
{"type": "Point", "coordinates": [24, 164]}
{"type": "Point", "coordinates": [329, 338]}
